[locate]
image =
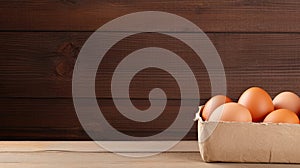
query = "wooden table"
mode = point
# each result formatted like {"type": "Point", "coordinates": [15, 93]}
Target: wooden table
{"type": "Point", "coordinates": [75, 154]}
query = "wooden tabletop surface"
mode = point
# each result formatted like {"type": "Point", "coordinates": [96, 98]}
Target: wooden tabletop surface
{"type": "Point", "coordinates": [75, 154]}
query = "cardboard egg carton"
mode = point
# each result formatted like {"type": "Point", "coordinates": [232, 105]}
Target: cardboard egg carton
{"type": "Point", "coordinates": [248, 142]}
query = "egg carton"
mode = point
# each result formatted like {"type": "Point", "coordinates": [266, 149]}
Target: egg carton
{"type": "Point", "coordinates": [248, 142]}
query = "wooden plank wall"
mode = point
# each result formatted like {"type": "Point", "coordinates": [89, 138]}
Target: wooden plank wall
{"type": "Point", "coordinates": [258, 41]}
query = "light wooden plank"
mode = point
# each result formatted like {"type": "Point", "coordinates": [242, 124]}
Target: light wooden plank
{"type": "Point", "coordinates": [88, 146]}
{"type": "Point", "coordinates": [110, 160]}
{"type": "Point", "coordinates": [73, 154]}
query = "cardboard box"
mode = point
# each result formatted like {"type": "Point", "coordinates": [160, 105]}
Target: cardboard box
{"type": "Point", "coordinates": [249, 142]}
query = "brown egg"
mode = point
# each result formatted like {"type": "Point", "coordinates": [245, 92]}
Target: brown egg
{"type": "Point", "coordinates": [213, 103]}
{"type": "Point", "coordinates": [233, 112]}
{"type": "Point", "coordinates": [258, 102]}
{"type": "Point", "coordinates": [287, 100]}
{"type": "Point", "coordinates": [282, 116]}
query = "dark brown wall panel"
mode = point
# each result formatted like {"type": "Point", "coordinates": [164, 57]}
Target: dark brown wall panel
{"type": "Point", "coordinates": [48, 119]}
{"type": "Point", "coordinates": [41, 64]}
{"type": "Point", "coordinates": [209, 15]}
{"type": "Point", "coordinates": [258, 42]}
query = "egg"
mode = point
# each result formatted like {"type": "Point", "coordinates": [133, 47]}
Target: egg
{"type": "Point", "coordinates": [282, 116]}
{"type": "Point", "coordinates": [232, 112]}
{"type": "Point", "coordinates": [287, 100]}
{"type": "Point", "coordinates": [258, 102]}
{"type": "Point", "coordinates": [212, 104]}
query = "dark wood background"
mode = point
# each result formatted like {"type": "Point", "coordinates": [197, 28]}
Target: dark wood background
{"type": "Point", "coordinates": [258, 41]}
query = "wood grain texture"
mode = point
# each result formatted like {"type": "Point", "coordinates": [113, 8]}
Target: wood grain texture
{"type": "Point", "coordinates": [91, 146]}
{"type": "Point", "coordinates": [56, 119]}
{"type": "Point", "coordinates": [258, 42]}
{"type": "Point", "coordinates": [96, 160]}
{"type": "Point", "coordinates": [209, 15]}
{"type": "Point", "coordinates": [85, 154]}
{"type": "Point", "coordinates": [45, 60]}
